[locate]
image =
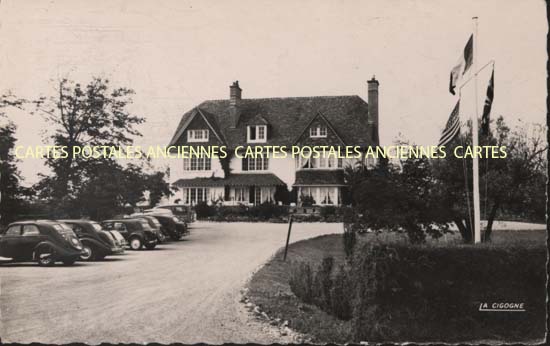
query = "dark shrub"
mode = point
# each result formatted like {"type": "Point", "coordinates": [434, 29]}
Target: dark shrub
{"type": "Point", "coordinates": [204, 210]}
{"type": "Point", "coordinates": [430, 293]}
{"type": "Point", "coordinates": [307, 200]}
{"type": "Point", "coordinates": [328, 211]}
{"type": "Point", "coordinates": [341, 295]}
{"type": "Point", "coordinates": [301, 281]}
{"type": "Point", "coordinates": [393, 291]}
{"type": "Point", "coordinates": [322, 284]}
{"type": "Point", "coordinates": [266, 211]}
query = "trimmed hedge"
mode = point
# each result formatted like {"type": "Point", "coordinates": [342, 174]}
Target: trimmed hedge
{"type": "Point", "coordinates": [264, 212]}
{"type": "Point", "coordinates": [421, 293]}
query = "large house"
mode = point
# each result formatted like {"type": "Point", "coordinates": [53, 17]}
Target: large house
{"type": "Point", "coordinates": [289, 121]}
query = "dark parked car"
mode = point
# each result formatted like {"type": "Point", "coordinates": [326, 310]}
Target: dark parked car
{"type": "Point", "coordinates": [136, 232]}
{"type": "Point", "coordinates": [44, 241]}
{"type": "Point", "coordinates": [96, 242]}
{"type": "Point", "coordinates": [171, 226]}
{"type": "Point", "coordinates": [183, 212]}
{"type": "Point", "coordinates": [153, 223]}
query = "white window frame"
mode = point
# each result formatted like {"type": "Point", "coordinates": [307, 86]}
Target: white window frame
{"type": "Point", "coordinates": [318, 131]}
{"type": "Point", "coordinates": [253, 163]}
{"type": "Point", "coordinates": [324, 163]}
{"type": "Point", "coordinates": [241, 194]}
{"type": "Point", "coordinates": [256, 129]}
{"type": "Point", "coordinates": [196, 192]}
{"type": "Point", "coordinates": [197, 164]}
{"type": "Point", "coordinates": [197, 135]}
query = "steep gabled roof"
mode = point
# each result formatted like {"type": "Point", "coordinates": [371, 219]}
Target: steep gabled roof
{"type": "Point", "coordinates": [325, 120]}
{"type": "Point", "coordinates": [287, 118]}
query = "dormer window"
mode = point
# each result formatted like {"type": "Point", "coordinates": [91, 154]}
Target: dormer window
{"type": "Point", "coordinates": [256, 133]}
{"type": "Point", "coordinates": [197, 135]}
{"type": "Point", "coordinates": [318, 131]}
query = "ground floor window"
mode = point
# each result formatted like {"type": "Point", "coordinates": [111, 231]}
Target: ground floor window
{"type": "Point", "coordinates": [194, 195]}
{"type": "Point", "coordinates": [321, 195]}
{"type": "Point", "coordinates": [241, 194]}
{"type": "Point", "coordinates": [252, 194]}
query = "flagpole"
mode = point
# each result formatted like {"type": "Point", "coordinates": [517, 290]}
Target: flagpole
{"type": "Point", "coordinates": [475, 139]}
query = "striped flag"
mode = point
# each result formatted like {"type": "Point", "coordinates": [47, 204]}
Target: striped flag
{"type": "Point", "coordinates": [488, 105]}
{"type": "Point", "coordinates": [463, 64]}
{"type": "Point", "coordinates": [452, 128]}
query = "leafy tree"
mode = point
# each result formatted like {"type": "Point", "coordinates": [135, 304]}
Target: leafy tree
{"type": "Point", "coordinates": [94, 115]}
{"type": "Point", "coordinates": [423, 196]}
{"type": "Point", "coordinates": [11, 191]}
{"type": "Point", "coordinates": [398, 199]}
{"type": "Point", "coordinates": [514, 185]}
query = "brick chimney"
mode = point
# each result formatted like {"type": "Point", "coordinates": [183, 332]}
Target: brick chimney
{"type": "Point", "coordinates": [234, 102]}
{"type": "Point", "coordinates": [373, 108]}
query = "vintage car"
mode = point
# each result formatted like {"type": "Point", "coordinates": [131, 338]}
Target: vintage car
{"type": "Point", "coordinates": [44, 241]}
{"type": "Point", "coordinates": [96, 242]}
{"type": "Point", "coordinates": [119, 239]}
{"type": "Point", "coordinates": [171, 226]}
{"type": "Point", "coordinates": [183, 212]}
{"type": "Point", "coordinates": [154, 224]}
{"type": "Point", "coordinates": [168, 231]}
{"type": "Point", "coordinates": [136, 232]}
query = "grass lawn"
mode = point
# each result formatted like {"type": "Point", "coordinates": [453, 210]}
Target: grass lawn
{"type": "Point", "coordinates": [269, 287]}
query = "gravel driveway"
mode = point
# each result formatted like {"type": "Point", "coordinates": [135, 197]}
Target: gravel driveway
{"type": "Point", "coordinates": [180, 292]}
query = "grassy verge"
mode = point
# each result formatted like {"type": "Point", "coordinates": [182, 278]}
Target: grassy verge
{"type": "Point", "coordinates": [269, 288]}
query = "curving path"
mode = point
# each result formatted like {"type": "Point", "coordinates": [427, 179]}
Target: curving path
{"type": "Point", "coordinates": [184, 292]}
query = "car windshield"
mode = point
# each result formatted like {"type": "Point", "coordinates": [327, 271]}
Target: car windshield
{"type": "Point", "coordinates": [97, 226]}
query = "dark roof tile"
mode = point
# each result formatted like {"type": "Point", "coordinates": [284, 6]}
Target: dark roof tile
{"type": "Point", "coordinates": [288, 118]}
{"type": "Point", "coordinates": [306, 177]}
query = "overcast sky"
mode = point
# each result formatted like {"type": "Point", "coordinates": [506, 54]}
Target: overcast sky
{"type": "Point", "coordinates": [175, 54]}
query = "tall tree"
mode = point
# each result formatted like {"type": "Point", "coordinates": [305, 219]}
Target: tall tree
{"type": "Point", "coordinates": [94, 115]}
{"type": "Point", "coordinates": [422, 197]}
{"type": "Point", "coordinates": [11, 191]}
{"type": "Point", "coordinates": [511, 185]}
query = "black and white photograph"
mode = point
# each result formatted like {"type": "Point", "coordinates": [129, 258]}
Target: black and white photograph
{"type": "Point", "coordinates": [273, 172]}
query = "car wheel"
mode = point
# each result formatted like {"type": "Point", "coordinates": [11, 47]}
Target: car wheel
{"type": "Point", "coordinates": [175, 237]}
{"type": "Point", "coordinates": [88, 253]}
{"type": "Point", "coordinates": [150, 246]}
{"type": "Point", "coordinates": [135, 244]}
{"type": "Point", "coordinates": [69, 261]}
{"type": "Point", "coordinates": [44, 257]}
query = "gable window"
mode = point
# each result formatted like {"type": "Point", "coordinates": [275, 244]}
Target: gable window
{"type": "Point", "coordinates": [258, 163]}
{"type": "Point", "coordinates": [256, 133]}
{"type": "Point", "coordinates": [197, 135]}
{"type": "Point", "coordinates": [329, 162]}
{"type": "Point", "coordinates": [195, 163]}
{"type": "Point", "coordinates": [318, 131]}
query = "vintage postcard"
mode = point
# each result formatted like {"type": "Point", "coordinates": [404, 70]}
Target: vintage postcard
{"type": "Point", "coordinates": [273, 172]}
